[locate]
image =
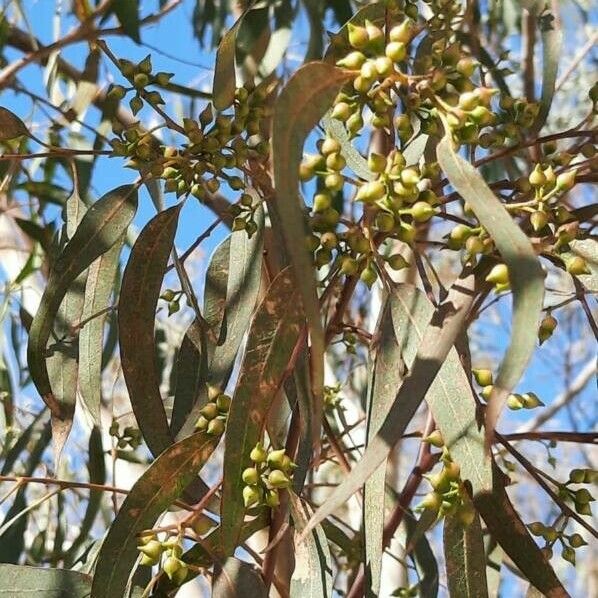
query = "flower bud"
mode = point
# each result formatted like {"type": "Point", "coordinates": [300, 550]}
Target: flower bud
{"type": "Point", "coordinates": [358, 36]}
{"type": "Point", "coordinates": [514, 402]}
{"type": "Point", "coordinates": [577, 266]}
{"type": "Point", "coordinates": [435, 439]}
{"type": "Point", "coordinates": [375, 36]}
{"type": "Point", "coordinates": [539, 220]}
{"type": "Point", "coordinates": [258, 453]}
{"type": "Point", "coordinates": [352, 61]}
{"type": "Point", "coordinates": [530, 400]}
{"type": "Point", "coordinates": [201, 423]}
{"type": "Point", "coordinates": [368, 276]}
{"type": "Point", "coordinates": [397, 262]}
{"type": "Point", "coordinates": [272, 498]}
{"type": "Point", "coordinates": [432, 501]}
{"type": "Point", "coordinates": [403, 32]}
{"type": "Point", "coordinates": [566, 180]}
{"type": "Point", "coordinates": [568, 554]}
{"type": "Point", "coordinates": [371, 192]}
{"type": "Point", "coordinates": [499, 275]}
{"type": "Point", "coordinates": [396, 51]}
{"type": "Point", "coordinates": [330, 146]}
{"type": "Point", "coordinates": [209, 411]}
{"type": "Point", "coordinates": [537, 528]}
{"type": "Point", "coordinates": [577, 541]}
{"type": "Point", "coordinates": [482, 377]}
{"type": "Point", "coordinates": [250, 476]}
{"type": "Point", "coordinates": [215, 427]}
{"type": "Point", "coordinates": [278, 479]}
{"type": "Point", "coordinates": [251, 496]}
{"type": "Point", "coordinates": [422, 211]}
{"type": "Point", "coordinates": [537, 178]}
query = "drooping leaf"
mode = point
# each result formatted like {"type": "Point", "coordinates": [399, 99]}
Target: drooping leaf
{"type": "Point", "coordinates": [11, 125]}
{"type": "Point", "coordinates": [62, 350]}
{"type": "Point", "coordinates": [312, 577]}
{"type": "Point", "coordinates": [505, 525]}
{"type": "Point", "coordinates": [437, 341]}
{"type": "Point", "coordinates": [273, 333]}
{"type": "Point", "coordinates": [229, 303]}
{"type": "Point", "coordinates": [127, 12]}
{"type": "Point", "coordinates": [101, 227]}
{"type": "Point", "coordinates": [449, 397]}
{"type": "Point", "coordinates": [160, 485]}
{"type": "Point", "coordinates": [552, 41]}
{"type": "Point", "coordinates": [425, 560]}
{"type": "Point", "coordinates": [98, 289]}
{"type": "Point", "coordinates": [242, 287]}
{"type": "Point", "coordinates": [525, 273]}
{"type": "Point", "coordinates": [465, 558]}
{"type": "Point", "coordinates": [237, 578]}
{"type": "Point", "coordinates": [305, 99]}
{"type": "Point", "coordinates": [385, 377]}
{"type": "Point", "coordinates": [223, 88]}
{"type": "Point", "coordinates": [97, 475]}
{"type": "Point", "coordinates": [136, 315]}
{"type": "Point", "coordinates": [19, 581]}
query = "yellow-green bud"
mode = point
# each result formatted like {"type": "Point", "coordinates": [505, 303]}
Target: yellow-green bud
{"type": "Point", "coordinates": [498, 275]}
{"type": "Point", "coordinates": [352, 61]}
{"type": "Point", "coordinates": [358, 36]}
{"type": "Point", "coordinates": [272, 498]}
{"type": "Point", "coordinates": [251, 496]}
{"type": "Point", "coordinates": [566, 180]}
{"type": "Point", "coordinates": [349, 266]}
{"type": "Point", "coordinates": [537, 178]}
{"type": "Point", "coordinates": [402, 32]}
{"type": "Point", "coordinates": [209, 411]}
{"type": "Point", "coordinates": [371, 192]}
{"type": "Point", "coordinates": [276, 458]}
{"type": "Point", "coordinates": [330, 146]}
{"type": "Point", "coordinates": [514, 402]}
{"type": "Point", "coordinates": [251, 476]}
{"type": "Point", "coordinates": [577, 266]}
{"type": "Point", "coordinates": [576, 541]}
{"type": "Point", "coordinates": [397, 262]}
{"type": "Point", "coordinates": [538, 220]}
{"type": "Point", "coordinates": [396, 51]}
{"type": "Point", "coordinates": [422, 211]}
{"type": "Point", "coordinates": [216, 427]}
{"type": "Point", "coordinates": [278, 479]}
{"type": "Point", "coordinates": [258, 453]}
{"type": "Point", "coordinates": [531, 400]}
{"type": "Point", "coordinates": [376, 162]}
{"type": "Point", "coordinates": [482, 377]}
{"type": "Point", "coordinates": [223, 403]}
{"type": "Point", "coordinates": [435, 439]}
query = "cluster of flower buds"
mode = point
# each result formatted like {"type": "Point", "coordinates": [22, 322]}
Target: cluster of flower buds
{"type": "Point", "coordinates": [581, 497]}
{"type": "Point", "coordinates": [166, 552]}
{"type": "Point", "coordinates": [139, 76]}
{"type": "Point", "coordinates": [332, 398]}
{"type": "Point", "coordinates": [271, 472]}
{"type": "Point", "coordinates": [448, 496]}
{"type": "Point", "coordinates": [129, 436]}
{"type": "Point", "coordinates": [214, 413]}
{"type": "Point", "coordinates": [552, 535]}
{"type": "Point", "coordinates": [528, 400]}
{"type": "Point", "coordinates": [173, 299]}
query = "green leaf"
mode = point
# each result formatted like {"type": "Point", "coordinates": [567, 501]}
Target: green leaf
{"type": "Point", "coordinates": [136, 315]}
{"type": "Point", "coordinates": [552, 41]}
{"type": "Point", "coordinates": [11, 125]}
{"type": "Point", "coordinates": [433, 350]}
{"type": "Point", "coordinates": [305, 99]}
{"type": "Point", "coordinates": [425, 560]}
{"type": "Point", "coordinates": [101, 227]}
{"type": "Point", "coordinates": [214, 300]}
{"type": "Point", "coordinates": [273, 334]}
{"type": "Point", "coordinates": [449, 396]}
{"type": "Point", "coordinates": [62, 350]}
{"type": "Point", "coordinates": [191, 376]}
{"type": "Point", "coordinates": [17, 581]}
{"type": "Point", "coordinates": [355, 161]}
{"type": "Point", "coordinates": [242, 288]}
{"type": "Point", "coordinates": [98, 289]}
{"type": "Point", "coordinates": [223, 88]}
{"type": "Point", "coordinates": [97, 475]}
{"type": "Point", "coordinates": [525, 273]}
{"type": "Point", "coordinates": [505, 525]}
{"type": "Point", "coordinates": [160, 485]}
{"type": "Point", "coordinates": [127, 12]}
{"type": "Point", "coordinates": [237, 578]}
{"type": "Point", "coordinates": [312, 576]}
{"type": "Point", "coordinates": [385, 377]}
{"type": "Point", "coordinates": [465, 558]}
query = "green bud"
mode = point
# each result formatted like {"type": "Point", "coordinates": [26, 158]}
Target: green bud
{"type": "Point", "coordinates": [258, 453]}
{"type": "Point", "coordinates": [376, 162]}
{"type": "Point", "coordinates": [410, 177]}
{"type": "Point", "coordinates": [537, 178]}
{"type": "Point", "coordinates": [329, 240]}
{"type": "Point", "coordinates": [432, 501]}
{"type": "Point", "coordinates": [538, 220]}
{"type": "Point", "coordinates": [514, 402]}
{"type": "Point", "coordinates": [322, 201]}
{"type": "Point", "coordinates": [396, 51]}
{"type": "Point", "coordinates": [537, 528]}
{"type": "Point", "coordinates": [397, 262]}
{"type": "Point", "coordinates": [577, 476]}
{"type": "Point", "coordinates": [352, 61]}
{"type": "Point", "coordinates": [341, 111]}
{"type": "Point", "coordinates": [335, 161]}
{"type": "Point", "coordinates": [422, 211]}
{"type": "Point", "coordinates": [349, 266]}
{"type": "Point", "coordinates": [583, 496]}
{"type": "Point", "coordinates": [371, 192]}
{"type": "Point", "coordinates": [334, 181]}
{"type": "Point", "coordinates": [466, 66]}
{"type": "Point", "coordinates": [577, 541]}
{"type": "Point", "coordinates": [385, 222]}
{"type": "Point", "coordinates": [272, 498]}
{"type": "Point", "coordinates": [354, 123]}
{"type": "Point", "coordinates": [368, 276]}
{"type": "Point", "coordinates": [278, 479]}
{"type": "Point", "coordinates": [140, 80]}
{"type": "Point", "coordinates": [577, 266]}
{"type": "Point", "coordinates": [276, 458]}
{"type": "Point", "coordinates": [251, 476]}
{"type": "Point", "coordinates": [216, 427]}
{"type": "Point", "coordinates": [566, 180]}
{"type": "Point", "coordinates": [568, 554]}
{"type": "Point", "coordinates": [498, 275]}
{"type": "Point", "coordinates": [117, 92]}
{"type": "Point", "coordinates": [201, 423]}
{"type": "Point", "coordinates": [482, 377]}
{"type": "Point", "coordinates": [145, 66]}
{"type": "Point", "coordinates": [435, 439]}
{"type": "Point", "coordinates": [375, 36]}
{"type": "Point", "coordinates": [530, 400]}
{"type": "Point", "coordinates": [402, 32]}
{"type": "Point", "coordinates": [330, 146]}
{"type": "Point", "coordinates": [136, 104]}
{"type": "Point", "coordinates": [358, 36]}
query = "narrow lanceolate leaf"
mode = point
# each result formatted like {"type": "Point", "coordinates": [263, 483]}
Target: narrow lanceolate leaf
{"type": "Point", "coordinates": [98, 289]}
{"type": "Point", "coordinates": [465, 558]}
{"type": "Point", "coordinates": [127, 12]}
{"type": "Point", "coordinates": [101, 227]}
{"type": "Point", "coordinates": [19, 580]}
{"type": "Point", "coordinates": [312, 577]}
{"type": "Point", "coordinates": [161, 484]}
{"type": "Point", "coordinates": [191, 376]}
{"type": "Point", "coordinates": [355, 161]}
{"type": "Point", "coordinates": [237, 578]}
{"type": "Point", "coordinates": [97, 475]}
{"type": "Point", "coordinates": [425, 560]}
{"type": "Point", "coordinates": [386, 374]}
{"type": "Point", "coordinates": [273, 334]}
{"type": "Point", "coordinates": [214, 299]}
{"type": "Point", "coordinates": [552, 41]}
{"type": "Point", "coordinates": [505, 525]}
{"type": "Point", "coordinates": [525, 273]}
{"type": "Point", "coordinates": [11, 125]}
{"type": "Point", "coordinates": [223, 88]}
{"type": "Point", "coordinates": [433, 350]}
{"type": "Point", "coordinates": [242, 288]}
{"type": "Point", "coordinates": [62, 349]}
{"type": "Point", "coordinates": [450, 396]}
{"type": "Point", "coordinates": [306, 97]}
{"type": "Point", "coordinates": [139, 294]}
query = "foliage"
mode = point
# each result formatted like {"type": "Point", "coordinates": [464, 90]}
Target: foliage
{"type": "Point", "coordinates": [301, 413]}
